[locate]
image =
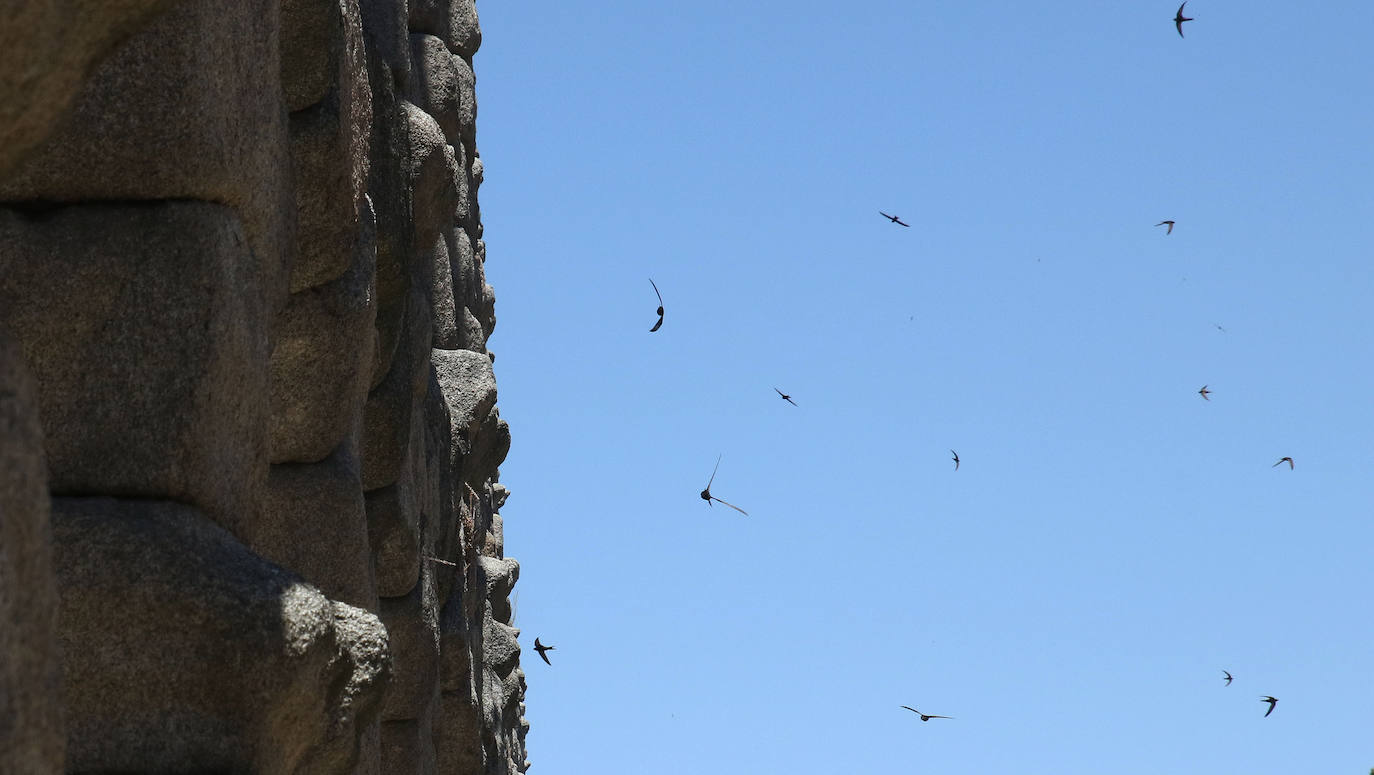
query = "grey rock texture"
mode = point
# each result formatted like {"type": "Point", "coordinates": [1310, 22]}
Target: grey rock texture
{"type": "Point", "coordinates": [145, 327]}
{"type": "Point", "coordinates": [31, 731]}
{"type": "Point", "coordinates": [47, 49]}
{"type": "Point", "coordinates": [249, 441]}
{"type": "Point", "coordinates": [239, 642]}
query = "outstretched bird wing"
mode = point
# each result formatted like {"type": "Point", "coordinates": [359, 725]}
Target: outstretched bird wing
{"type": "Point", "coordinates": [660, 306]}
{"type": "Point", "coordinates": [913, 710]}
{"type": "Point", "coordinates": [731, 505]}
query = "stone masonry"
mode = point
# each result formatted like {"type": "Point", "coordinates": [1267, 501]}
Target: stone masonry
{"type": "Point", "coordinates": [249, 442]}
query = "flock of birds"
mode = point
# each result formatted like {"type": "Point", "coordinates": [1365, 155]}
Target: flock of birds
{"type": "Point", "coordinates": [706, 495]}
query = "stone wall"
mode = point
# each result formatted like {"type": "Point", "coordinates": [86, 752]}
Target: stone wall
{"type": "Point", "coordinates": [249, 442]}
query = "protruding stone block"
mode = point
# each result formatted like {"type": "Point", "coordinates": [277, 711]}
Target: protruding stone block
{"type": "Point", "coordinates": [190, 107]}
{"type": "Point", "coordinates": [431, 170]}
{"type": "Point", "coordinates": [413, 623]}
{"type": "Point", "coordinates": [184, 651]}
{"type": "Point", "coordinates": [330, 127]}
{"type": "Point", "coordinates": [47, 47]}
{"type": "Point", "coordinates": [145, 329]}
{"type": "Point", "coordinates": [314, 525]}
{"type": "Point", "coordinates": [444, 85]}
{"type": "Point", "coordinates": [469, 387]}
{"type": "Point", "coordinates": [393, 524]}
{"type": "Point", "coordinates": [322, 360]}
{"type": "Point", "coordinates": [446, 333]}
{"type": "Point", "coordinates": [387, 415]}
{"type": "Point", "coordinates": [453, 21]}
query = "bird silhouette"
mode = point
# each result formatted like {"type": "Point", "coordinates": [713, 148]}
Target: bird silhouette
{"type": "Point", "coordinates": [541, 649]}
{"type": "Point", "coordinates": [894, 219]}
{"type": "Point", "coordinates": [1272, 702]}
{"type": "Point", "coordinates": [1170, 224]}
{"type": "Point", "coordinates": [1179, 19]}
{"type": "Point", "coordinates": [708, 497]}
{"type": "Point", "coordinates": [660, 306]}
{"type": "Point", "coordinates": [1204, 393]}
{"type": "Point", "coordinates": [1283, 460]}
{"type": "Point", "coordinates": [956, 459]}
{"type": "Point", "coordinates": [924, 716]}
{"type": "Point", "coordinates": [1228, 677]}
{"type": "Point", "coordinates": [785, 397]}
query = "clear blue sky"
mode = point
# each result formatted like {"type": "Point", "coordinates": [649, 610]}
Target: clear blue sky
{"type": "Point", "coordinates": [1111, 542]}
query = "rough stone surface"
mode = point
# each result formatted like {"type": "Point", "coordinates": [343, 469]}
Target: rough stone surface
{"type": "Point", "coordinates": [31, 733]}
{"type": "Point", "coordinates": [454, 21]}
{"type": "Point", "coordinates": [145, 329]}
{"type": "Point", "coordinates": [254, 670]}
{"type": "Point", "coordinates": [445, 308]}
{"type": "Point", "coordinates": [442, 86]}
{"type": "Point", "coordinates": [330, 125]}
{"type": "Point", "coordinates": [387, 416]}
{"type": "Point", "coordinates": [413, 622]}
{"type": "Point", "coordinates": [200, 85]}
{"type": "Point", "coordinates": [322, 357]}
{"type": "Point", "coordinates": [310, 505]}
{"type": "Point", "coordinates": [47, 50]}
{"type": "Point", "coordinates": [232, 234]}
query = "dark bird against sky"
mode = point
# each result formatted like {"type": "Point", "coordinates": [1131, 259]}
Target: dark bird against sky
{"type": "Point", "coordinates": [1272, 702]}
{"type": "Point", "coordinates": [956, 459]}
{"type": "Point", "coordinates": [708, 497]}
{"type": "Point", "coordinates": [1179, 19]}
{"type": "Point", "coordinates": [541, 649]}
{"type": "Point", "coordinates": [1170, 224]}
{"type": "Point", "coordinates": [894, 219]}
{"type": "Point", "coordinates": [660, 306]}
{"type": "Point", "coordinates": [1228, 678]}
{"type": "Point", "coordinates": [1204, 393]}
{"type": "Point", "coordinates": [924, 716]}
{"type": "Point", "coordinates": [785, 397]}
{"type": "Point", "coordinates": [1283, 460]}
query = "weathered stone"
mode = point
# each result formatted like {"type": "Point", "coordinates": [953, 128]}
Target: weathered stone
{"type": "Point", "coordinates": [500, 649]}
{"type": "Point", "coordinates": [413, 623]}
{"type": "Point", "coordinates": [471, 289]}
{"type": "Point", "coordinates": [47, 48]}
{"type": "Point", "coordinates": [31, 733]}
{"type": "Point", "coordinates": [442, 494]}
{"type": "Point", "coordinates": [321, 360]}
{"type": "Point", "coordinates": [321, 48]}
{"type": "Point", "coordinates": [442, 84]}
{"type": "Point", "coordinates": [370, 750]}
{"type": "Point", "coordinates": [387, 414]}
{"type": "Point", "coordinates": [469, 390]}
{"type": "Point", "coordinates": [253, 670]}
{"type": "Point", "coordinates": [309, 506]}
{"type": "Point", "coordinates": [432, 167]}
{"type": "Point", "coordinates": [384, 23]}
{"type": "Point", "coordinates": [471, 335]}
{"type": "Point", "coordinates": [453, 21]}
{"type": "Point", "coordinates": [330, 130]}
{"type": "Point", "coordinates": [391, 196]}
{"type": "Point", "coordinates": [408, 746]}
{"type": "Point", "coordinates": [499, 577]}
{"type": "Point", "coordinates": [189, 107]}
{"type": "Point", "coordinates": [446, 332]}
{"type": "Point", "coordinates": [145, 328]}
{"type": "Point", "coordinates": [393, 524]}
